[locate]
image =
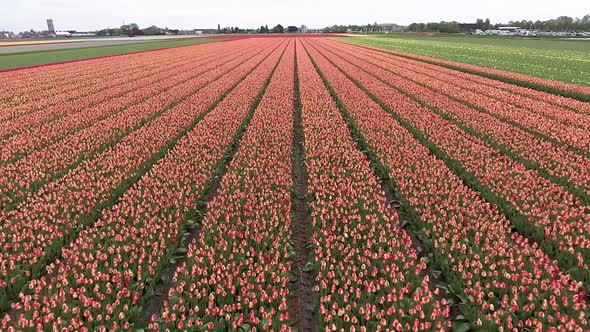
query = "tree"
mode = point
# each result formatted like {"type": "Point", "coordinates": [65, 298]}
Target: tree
{"type": "Point", "coordinates": [125, 28]}
{"type": "Point", "coordinates": [487, 25]}
{"type": "Point", "coordinates": [479, 24]}
{"type": "Point", "coordinates": [135, 31]}
{"type": "Point", "coordinates": [432, 26]}
{"type": "Point", "coordinates": [130, 29]}
{"type": "Point", "coordinates": [564, 23]}
{"type": "Point", "coordinates": [152, 30]}
{"type": "Point", "coordinates": [278, 29]}
{"type": "Point", "coordinates": [448, 27]}
{"type": "Point", "coordinates": [218, 28]}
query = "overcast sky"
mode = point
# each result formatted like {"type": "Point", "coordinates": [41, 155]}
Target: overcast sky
{"type": "Point", "coordinates": [19, 15]}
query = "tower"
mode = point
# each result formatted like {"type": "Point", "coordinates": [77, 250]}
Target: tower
{"type": "Point", "coordinates": [50, 26]}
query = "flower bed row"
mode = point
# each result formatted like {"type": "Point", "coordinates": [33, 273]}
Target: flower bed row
{"type": "Point", "coordinates": [30, 173]}
{"type": "Point", "coordinates": [504, 281]}
{"type": "Point", "coordinates": [47, 130]}
{"type": "Point", "coordinates": [34, 91]}
{"type": "Point", "coordinates": [523, 103]}
{"type": "Point", "coordinates": [368, 273]}
{"type": "Point", "coordinates": [568, 135]}
{"type": "Point", "coordinates": [109, 89]}
{"type": "Point", "coordinates": [35, 231]}
{"type": "Point", "coordinates": [538, 208]}
{"type": "Point", "coordinates": [552, 161]}
{"type": "Point", "coordinates": [109, 272]}
{"type": "Point", "coordinates": [236, 274]}
{"type": "Point", "coordinates": [87, 87]}
{"type": "Point", "coordinates": [43, 87]}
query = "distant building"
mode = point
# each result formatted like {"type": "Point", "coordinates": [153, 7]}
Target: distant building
{"type": "Point", "coordinates": [62, 34]}
{"type": "Point", "coordinates": [82, 33]}
{"type": "Point", "coordinates": [292, 29]}
{"type": "Point", "coordinates": [303, 29]}
{"type": "Point", "coordinates": [468, 27]}
{"type": "Point", "coordinates": [50, 26]}
{"type": "Point", "coordinates": [69, 34]}
{"type": "Point", "coordinates": [511, 29]}
{"type": "Point", "coordinates": [203, 31]}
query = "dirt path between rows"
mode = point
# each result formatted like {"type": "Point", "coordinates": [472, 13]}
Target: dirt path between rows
{"type": "Point", "coordinates": [300, 295]}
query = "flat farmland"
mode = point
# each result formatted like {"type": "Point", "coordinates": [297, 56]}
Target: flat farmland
{"type": "Point", "coordinates": [291, 183]}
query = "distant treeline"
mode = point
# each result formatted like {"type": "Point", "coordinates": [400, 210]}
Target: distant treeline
{"type": "Point", "coordinates": [368, 28]}
{"type": "Point", "coordinates": [562, 23]}
{"type": "Point", "coordinates": [134, 30]}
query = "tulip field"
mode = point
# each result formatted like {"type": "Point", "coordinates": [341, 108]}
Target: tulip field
{"type": "Point", "coordinates": [291, 183]}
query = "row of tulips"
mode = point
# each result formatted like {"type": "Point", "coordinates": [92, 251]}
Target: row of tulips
{"type": "Point", "coordinates": [369, 276]}
{"type": "Point", "coordinates": [31, 172]}
{"type": "Point", "coordinates": [39, 88]}
{"type": "Point", "coordinates": [38, 138]}
{"type": "Point", "coordinates": [497, 75]}
{"type": "Point", "coordinates": [109, 272]}
{"type": "Point", "coordinates": [34, 91]}
{"type": "Point", "coordinates": [552, 161]}
{"type": "Point", "coordinates": [236, 275]}
{"type": "Point", "coordinates": [43, 129]}
{"type": "Point", "coordinates": [523, 103]}
{"type": "Point", "coordinates": [567, 135]}
{"type": "Point", "coordinates": [25, 121]}
{"type": "Point", "coordinates": [504, 281]}
{"type": "Point", "coordinates": [34, 80]}
{"type": "Point", "coordinates": [89, 85]}
{"type": "Point", "coordinates": [557, 100]}
{"type": "Point", "coordinates": [35, 231]}
{"type": "Point", "coordinates": [539, 208]}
